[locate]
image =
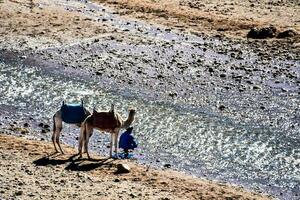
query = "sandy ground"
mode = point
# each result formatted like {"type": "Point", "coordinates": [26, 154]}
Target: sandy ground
{"type": "Point", "coordinates": [28, 170]}
{"type": "Point", "coordinates": [231, 18]}
{"type": "Point", "coordinates": [39, 23]}
{"type": "Point", "coordinates": [29, 26]}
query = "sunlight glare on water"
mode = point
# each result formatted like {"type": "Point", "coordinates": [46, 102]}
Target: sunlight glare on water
{"type": "Point", "coordinates": [189, 140]}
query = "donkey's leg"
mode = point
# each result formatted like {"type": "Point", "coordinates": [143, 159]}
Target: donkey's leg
{"type": "Point", "coordinates": [54, 131]}
{"type": "Point", "coordinates": [116, 134]}
{"type": "Point", "coordinates": [88, 132]}
{"type": "Point", "coordinates": [58, 123]}
{"type": "Point", "coordinates": [57, 140]}
{"type": "Point", "coordinates": [89, 136]}
{"type": "Point", "coordinates": [111, 144]}
{"type": "Point", "coordinates": [81, 140]}
{"type": "Point", "coordinates": [53, 139]}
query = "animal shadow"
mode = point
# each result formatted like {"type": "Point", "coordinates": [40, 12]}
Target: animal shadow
{"type": "Point", "coordinates": [51, 160]}
{"type": "Point", "coordinates": [81, 166]}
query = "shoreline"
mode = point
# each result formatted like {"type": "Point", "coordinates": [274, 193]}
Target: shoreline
{"type": "Point", "coordinates": [232, 19]}
{"type": "Point", "coordinates": [27, 172]}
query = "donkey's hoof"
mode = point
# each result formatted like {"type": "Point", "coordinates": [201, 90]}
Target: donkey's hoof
{"type": "Point", "coordinates": [54, 152]}
{"type": "Point", "coordinates": [114, 156]}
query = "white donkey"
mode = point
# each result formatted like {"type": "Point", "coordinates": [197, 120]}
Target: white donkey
{"type": "Point", "coordinates": [70, 114]}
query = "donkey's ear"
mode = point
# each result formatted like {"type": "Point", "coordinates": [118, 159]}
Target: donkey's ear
{"type": "Point", "coordinates": [82, 102]}
{"type": "Point", "coordinates": [63, 103]}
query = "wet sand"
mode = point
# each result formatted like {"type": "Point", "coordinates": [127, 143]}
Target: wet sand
{"type": "Point", "coordinates": [29, 170]}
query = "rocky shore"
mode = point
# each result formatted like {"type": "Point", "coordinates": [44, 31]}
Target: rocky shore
{"type": "Point", "coordinates": [30, 170]}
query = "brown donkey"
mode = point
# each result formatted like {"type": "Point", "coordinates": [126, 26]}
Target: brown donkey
{"type": "Point", "coordinates": [109, 121]}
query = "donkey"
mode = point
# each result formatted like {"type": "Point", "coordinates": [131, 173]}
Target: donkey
{"type": "Point", "coordinates": [70, 114]}
{"type": "Point", "coordinates": [106, 121]}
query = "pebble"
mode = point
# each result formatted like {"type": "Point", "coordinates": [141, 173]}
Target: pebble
{"type": "Point", "coordinates": [222, 107]}
{"type": "Point", "coordinates": [167, 165]}
{"type": "Point", "coordinates": [122, 168]}
{"type": "Point", "coordinates": [18, 193]}
{"type": "Point", "coordinates": [46, 126]}
{"type": "Point", "coordinates": [117, 180]}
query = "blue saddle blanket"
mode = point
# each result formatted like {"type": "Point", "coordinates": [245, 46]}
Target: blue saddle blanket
{"type": "Point", "coordinates": [72, 113]}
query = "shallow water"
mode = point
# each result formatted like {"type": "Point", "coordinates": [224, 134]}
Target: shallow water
{"type": "Point", "coordinates": [189, 138]}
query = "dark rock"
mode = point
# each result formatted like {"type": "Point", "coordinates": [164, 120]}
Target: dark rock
{"type": "Point", "coordinates": [41, 124]}
{"type": "Point", "coordinates": [222, 29]}
{"type": "Point", "coordinates": [18, 193]}
{"type": "Point", "coordinates": [222, 107]}
{"type": "Point", "coordinates": [44, 131]}
{"type": "Point", "coordinates": [117, 180]}
{"type": "Point", "coordinates": [167, 165]}
{"type": "Point", "coordinates": [287, 33]}
{"type": "Point", "coordinates": [136, 179]}
{"type": "Point", "coordinates": [255, 87]}
{"type": "Point", "coordinates": [132, 195]}
{"type": "Point", "coordinates": [173, 94]}
{"type": "Point", "coordinates": [122, 168]}
{"type": "Point", "coordinates": [222, 75]}
{"type": "Point", "coordinates": [160, 76]}
{"type": "Point", "coordinates": [46, 126]}
{"type": "Point", "coordinates": [98, 73]}
{"type": "Point", "coordinates": [262, 33]}
{"type": "Point", "coordinates": [26, 125]}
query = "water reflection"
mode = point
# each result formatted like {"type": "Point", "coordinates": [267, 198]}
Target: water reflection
{"type": "Point", "coordinates": [204, 144]}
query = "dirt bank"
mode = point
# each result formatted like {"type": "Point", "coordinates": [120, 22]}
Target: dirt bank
{"type": "Point", "coordinates": [28, 170]}
{"type": "Point", "coordinates": [231, 18]}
